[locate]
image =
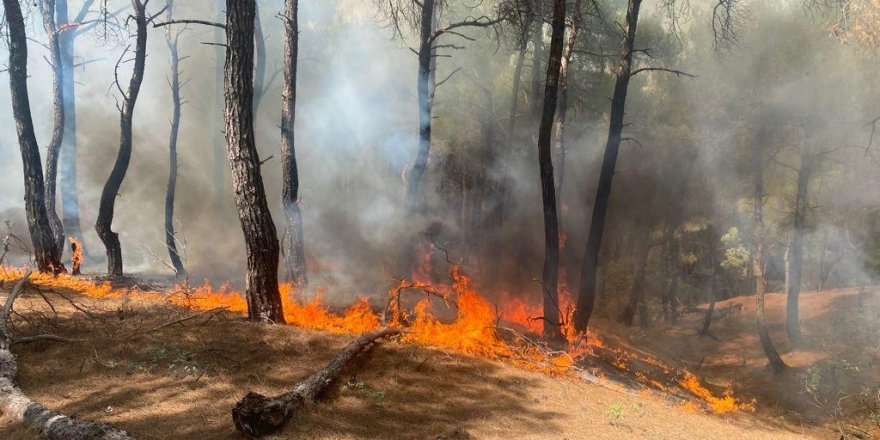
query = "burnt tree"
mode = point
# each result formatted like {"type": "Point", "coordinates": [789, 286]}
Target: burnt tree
{"type": "Point", "coordinates": [47, 10]}
{"type": "Point", "coordinates": [758, 239]}
{"type": "Point", "coordinates": [46, 253]}
{"type": "Point", "coordinates": [574, 31]}
{"type": "Point", "coordinates": [170, 190]}
{"type": "Point", "coordinates": [261, 239]}
{"type": "Point", "coordinates": [292, 243]}
{"type": "Point", "coordinates": [590, 264]}
{"type": "Point", "coordinates": [796, 248]}
{"type": "Point", "coordinates": [126, 115]}
{"type": "Point", "coordinates": [69, 30]}
{"type": "Point", "coordinates": [550, 272]}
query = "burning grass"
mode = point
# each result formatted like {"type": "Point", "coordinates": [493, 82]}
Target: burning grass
{"type": "Point", "coordinates": [474, 330]}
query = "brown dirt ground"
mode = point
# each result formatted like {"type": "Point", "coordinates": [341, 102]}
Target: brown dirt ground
{"type": "Point", "coordinates": [180, 382]}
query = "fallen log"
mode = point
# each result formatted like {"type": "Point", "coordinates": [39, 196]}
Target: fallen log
{"type": "Point", "coordinates": [257, 415]}
{"type": "Point", "coordinates": [18, 407]}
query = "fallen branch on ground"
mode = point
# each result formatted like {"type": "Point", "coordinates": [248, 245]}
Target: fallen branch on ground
{"type": "Point", "coordinates": [257, 415]}
{"type": "Point", "coordinates": [18, 407]}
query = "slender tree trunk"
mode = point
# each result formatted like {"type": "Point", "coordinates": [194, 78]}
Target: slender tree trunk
{"type": "Point", "coordinates": [45, 250]}
{"type": "Point", "coordinates": [68, 157]}
{"type": "Point", "coordinates": [550, 274]}
{"type": "Point", "coordinates": [261, 239]}
{"type": "Point", "coordinates": [561, 114]}
{"type": "Point", "coordinates": [54, 148]}
{"type": "Point", "coordinates": [170, 239]}
{"type": "Point", "coordinates": [795, 255]}
{"type": "Point", "coordinates": [672, 273]}
{"type": "Point", "coordinates": [517, 85]}
{"type": "Point", "coordinates": [259, 61]}
{"type": "Point", "coordinates": [637, 292]}
{"type": "Point", "coordinates": [414, 197]}
{"type": "Point", "coordinates": [292, 244]}
{"type": "Point", "coordinates": [758, 258]}
{"type": "Point", "coordinates": [713, 285]}
{"type": "Point", "coordinates": [538, 60]}
{"type": "Point", "coordinates": [587, 293]}
{"type": "Point", "coordinates": [120, 168]}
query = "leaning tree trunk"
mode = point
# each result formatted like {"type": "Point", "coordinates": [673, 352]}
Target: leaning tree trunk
{"type": "Point", "coordinates": [68, 170]}
{"type": "Point", "coordinates": [758, 258]}
{"type": "Point", "coordinates": [171, 188]}
{"type": "Point", "coordinates": [54, 148]}
{"type": "Point", "coordinates": [111, 189]}
{"type": "Point", "coordinates": [261, 239]}
{"type": "Point", "coordinates": [550, 273]}
{"type": "Point", "coordinates": [292, 243]}
{"type": "Point", "coordinates": [16, 406]}
{"type": "Point", "coordinates": [590, 264]}
{"type": "Point", "coordinates": [45, 250]}
{"type": "Point", "coordinates": [414, 196]}
{"type": "Point", "coordinates": [257, 415]}
{"type": "Point", "coordinates": [795, 254]}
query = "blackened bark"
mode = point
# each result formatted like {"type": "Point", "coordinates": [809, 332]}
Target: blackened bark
{"type": "Point", "coordinates": [426, 104]}
{"type": "Point", "coordinates": [589, 266]}
{"type": "Point", "coordinates": [53, 150]}
{"type": "Point", "coordinates": [261, 239]}
{"type": "Point", "coordinates": [758, 257]}
{"type": "Point", "coordinates": [550, 273]}
{"type": "Point", "coordinates": [171, 188]}
{"type": "Point", "coordinates": [538, 60]}
{"type": "Point", "coordinates": [45, 251]}
{"type": "Point", "coordinates": [292, 243]}
{"type": "Point", "coordinates": [795, 254]}
{"type": "Point", "coordinates": [126, 115]}
{"type": "Point", "coordinates": [68, 157]}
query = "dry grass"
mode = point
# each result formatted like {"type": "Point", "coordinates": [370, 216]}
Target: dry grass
{"type": "Point", "coordinates": [181, 381]}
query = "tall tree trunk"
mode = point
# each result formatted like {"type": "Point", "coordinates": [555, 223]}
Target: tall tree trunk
{"type": "Point", "coordinates": [68, 157]}
{"type": "Point", "coordinates": [414, 197]}
{"type": "Point", "coordinates": [550, 274]}
{"type": "Point", "coordinates": [45, 251]}
{"type": "Point", "coordinates": [170, 239]}
{"type": "Point", "coordinates": [517, 85]}
{"type": "Point", "coordinates": [795, 254]}
{"type": "Point", "coordinates": [53, 150]}
{"type": "Point", "coordinates": [758, 258]}
{"type": "Point", "coordinates": [561, 114]}
{"type": "Point", "coordinates": [587, 292]}
{"type": "Point", "coordinates": [259, 61]}
{"type": "Point", "coordinates": [538, 60]}
{"type": "Point", "coordinates": [261, 239]}
{"type": "Point", "coordinates": [114, 182]}
{"type": "Point", "coordinates": [637, 292]}
{"type": "Point", "coordinates": [713, 285]}
{"type": "Point", "coordinates": [293, 246]}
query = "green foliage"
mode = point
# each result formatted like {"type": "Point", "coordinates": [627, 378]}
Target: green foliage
{"type": "Point", "coordinates": [736, 255]}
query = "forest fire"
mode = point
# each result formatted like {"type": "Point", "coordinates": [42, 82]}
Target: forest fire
{"type": "Point", "coordinates": [474, 331]}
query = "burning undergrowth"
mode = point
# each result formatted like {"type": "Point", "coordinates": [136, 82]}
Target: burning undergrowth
{"type": "Point", "coordinates": [454, 317]}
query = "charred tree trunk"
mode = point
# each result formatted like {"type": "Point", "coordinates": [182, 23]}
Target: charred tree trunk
{"type": "Point", "coordinates": [257, 415]}
{"type": "Point", "coordinates": [758, 258]}
{"type": "Point", "coordinates": [17, 406]}
{"type": "Point", "coordinates": [111, 189]}
{"type": "Point", "coordinates": [414, 198]}
{"type": "Point", "coordinates": [637, 292]}
{"type": "Point", "coordinates": [47, 8]}
{"type": "Point", "coordinates": [550, 273]}
{"type": "Point", "coordinates": [68, 157]}
{"type": "Point", "coordinates": [795, 254]}
{"type": "Point", "coordinates": [261, 239]}
{"type": "Point", "coordinates": [587, 292]}
{"type": "Point", "coordinates": [171, 188]}
{"type": "Point", "coordinates": [45, 249]}
{"type": "Point", "coordinates": [293, 246]}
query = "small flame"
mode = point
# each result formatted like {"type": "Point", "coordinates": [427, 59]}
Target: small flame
{"type": "Point", "coordinates": [76, 258]}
